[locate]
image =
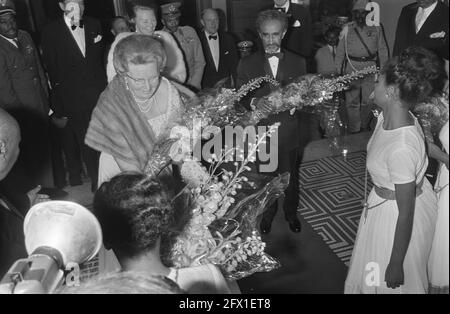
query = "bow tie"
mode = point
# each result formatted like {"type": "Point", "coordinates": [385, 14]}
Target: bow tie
{"type": "Point", "coordinates": [279, 55]}
{"type": "Point", "coordinates": [74, 27]}
{"type": "Point", "coordinates": [214, 37]}
{"type": "Point", "coordinates": [281, 9]}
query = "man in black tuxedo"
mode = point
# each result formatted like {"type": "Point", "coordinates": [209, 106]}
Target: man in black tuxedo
{"type": "Point", "coordinates": [299, 37]}
{"type": "Point", "coordinates": [219, 49]}
{"type": "Point", "coordinates": [424, 23]}
{"type": "Point", "coordinates": [283, 66]}
{"type": "Point", "coordinates": [73, 53]}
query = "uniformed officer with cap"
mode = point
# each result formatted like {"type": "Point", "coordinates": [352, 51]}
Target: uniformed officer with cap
{"type": "Point", "coordinates": [24, 94]}
{"type": "Point", "coordinates": [189, 42]}
{"type": "Point", "coordinates": [360, 46]}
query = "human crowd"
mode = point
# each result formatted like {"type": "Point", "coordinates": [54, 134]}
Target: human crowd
{"type": "Point", "coordinates": [101, 110]}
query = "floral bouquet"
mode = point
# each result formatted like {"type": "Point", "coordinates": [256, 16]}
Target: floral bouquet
{"type": "Point", "coordinates": [225, 207]}
{"type": "Point", "coordinates": [225, 204]}
{"type": "Point", "coordinates": [307, 92]}
{"type": "Point", "coordinates": [433, 115]}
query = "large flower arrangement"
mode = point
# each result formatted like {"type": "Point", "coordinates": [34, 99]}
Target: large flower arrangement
{"type": "Point", "coordinates": [222, 229]}
{"type": "Point", "coordinates": [226, 203]}
{"type": "Point", "coordinates": [433, 115]}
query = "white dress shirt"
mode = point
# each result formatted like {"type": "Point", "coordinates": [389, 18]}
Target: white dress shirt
{"type": "Point", "coordinates": [12, 41]}
{"type": "Point", "coordinates": [274, 62]}
{"type": "Point", "coordinates": [422, 16]}
{"type": "Point", "coordinates": [285, 7]}
{"type": "Point", "coordinates": [78, 35]}
{"type": "Point", "coordinates": [214, 47]}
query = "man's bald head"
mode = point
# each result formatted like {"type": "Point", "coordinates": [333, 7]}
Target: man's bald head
{"type": "Point", "coordinates": [9, 143]}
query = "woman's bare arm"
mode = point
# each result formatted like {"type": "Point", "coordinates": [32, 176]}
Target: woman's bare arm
{"type": "Point", "coordinates": [406, 202]}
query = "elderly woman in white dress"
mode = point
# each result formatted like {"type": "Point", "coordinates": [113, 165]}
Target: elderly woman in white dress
{"type": "Point", "coordinates": [137, 109]}
{"type": "Point", "coordinates": [143, 14]}
{"type": "Point", "coordinates": [397, 227]}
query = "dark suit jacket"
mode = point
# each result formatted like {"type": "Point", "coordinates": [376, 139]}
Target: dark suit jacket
{"type": "Point", "coordinates": [299, 38]}
{"type": "Point", "coordinates": [437, 22]}
{"type": "Point", "coordinates": [289, 68]}
{"type": "Point", "coordinates": [228, 60]}
{"type": "Point", "coordinates": [77, 81]}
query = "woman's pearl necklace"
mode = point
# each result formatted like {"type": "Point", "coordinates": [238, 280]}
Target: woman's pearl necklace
{"type": "Point", "coordinates": [142, 105]}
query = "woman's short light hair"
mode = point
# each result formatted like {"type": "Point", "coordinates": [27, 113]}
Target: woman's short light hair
{"type": "Point", "coordinates": [138, 49]}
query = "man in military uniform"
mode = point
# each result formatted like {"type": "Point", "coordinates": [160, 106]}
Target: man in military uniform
{"type": "Point", "coordinates": [189, 42]}
{"type": "Point", "coordinates": [24, 95]}
{"type": "Point", "coordinates": [360, 46]}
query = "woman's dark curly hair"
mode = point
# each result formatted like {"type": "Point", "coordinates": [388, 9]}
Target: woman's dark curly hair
{"type": "Point", "coordinates": [133, 5]}
{"type": "Point", "coordinates": [418, 73]}
{"type": "Point", "coordinates": [134, 212]}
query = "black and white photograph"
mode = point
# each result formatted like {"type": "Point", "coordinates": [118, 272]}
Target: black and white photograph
{"type": "Point", "coordinates": [224, 151]}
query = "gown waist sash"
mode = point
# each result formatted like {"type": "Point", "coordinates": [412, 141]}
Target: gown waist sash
{"type": "Point", "coordinates": [389, 195]}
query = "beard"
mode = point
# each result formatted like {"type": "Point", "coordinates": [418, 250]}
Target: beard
{"type": "Point", "coordinates": [272, 48]}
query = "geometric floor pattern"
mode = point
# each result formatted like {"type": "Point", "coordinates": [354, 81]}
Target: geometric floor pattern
{"type": "Point", "coordinates": [331, 199]}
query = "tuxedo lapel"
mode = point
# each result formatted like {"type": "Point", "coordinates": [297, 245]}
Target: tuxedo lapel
{"type": "Point", "coordinates": [427, 27]}
{"type": "Point", "coordinates": [89, 41]}
{"type": "Point", "coordinates": [67, 36]}
{"type": "Point", "coordinates": [267, 69]}
{"type": "Point", "coordinates": [222, 49]}
{"type": "Point", "coordinates": [280, 73]}
{"type": "Point", "coordinates": [412, 19]}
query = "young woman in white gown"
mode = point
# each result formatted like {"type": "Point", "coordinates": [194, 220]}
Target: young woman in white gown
{"type": "Point", "coordinates": [135, 212]}
{"type": "Point", "coordinates": [397, 226]}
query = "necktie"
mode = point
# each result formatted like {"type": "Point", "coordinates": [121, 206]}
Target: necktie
{"type": "Point", "coordinates": [281, 9]}
{"type": "Point", "coordinates": [279, 55]}
{"type": "Point", "coordinates": [334, 53]}
{"type": "Point", "coordinates": [213, 37]}
{"type": "Point", "coordinates": [419, 18]}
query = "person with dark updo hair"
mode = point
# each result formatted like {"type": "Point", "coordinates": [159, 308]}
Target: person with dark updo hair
{"type": "Point", "coordinates": [135, 212]}
{"type": "Point", "coordinates": [397, 226]}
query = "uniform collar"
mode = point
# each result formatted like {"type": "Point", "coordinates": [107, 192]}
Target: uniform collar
{"type": "Point", "coordinates": [12, 41]}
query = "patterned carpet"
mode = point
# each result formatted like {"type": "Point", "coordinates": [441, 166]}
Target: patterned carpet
{"type": "Point", "coordinates": [331, 198]}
